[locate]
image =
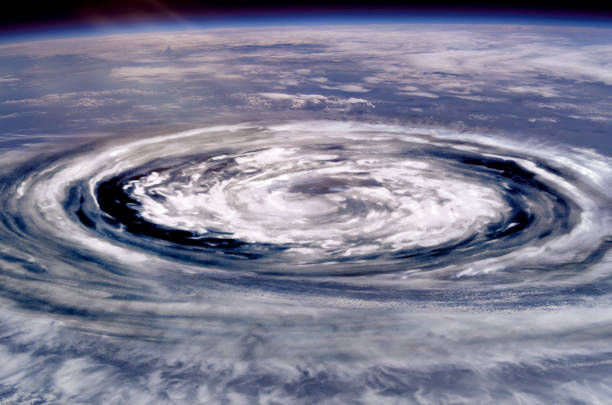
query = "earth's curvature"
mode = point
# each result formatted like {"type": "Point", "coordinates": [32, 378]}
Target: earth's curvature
{"type": "Point", "coordinates": [318, 214]}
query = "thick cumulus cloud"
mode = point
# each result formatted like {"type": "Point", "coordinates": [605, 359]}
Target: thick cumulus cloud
{"type": "Point", "coordinates": [306, 262]}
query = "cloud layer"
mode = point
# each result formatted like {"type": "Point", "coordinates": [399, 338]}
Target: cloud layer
{"type": "Point", "coordinates": [196, 300]}
{"type": "Point", "coordinates": [403, 214]}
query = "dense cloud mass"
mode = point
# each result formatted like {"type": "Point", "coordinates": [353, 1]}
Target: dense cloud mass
{"type": "Point", "coordinates": [312, 215]}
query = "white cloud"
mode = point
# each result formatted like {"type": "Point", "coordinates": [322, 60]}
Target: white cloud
{"type": "Point", "coordinates": [82, 98]}
{"type": "Point", "coordinates": [154, 73]}
{"type": "Point", "coordinates": [306, 101]}
{"type": "Point", "coordinates": [7, 116]}
{"type": "Point", "coordinates": [349, 88]}
{"type": "Point", "coordinates": [543, 119]}
{"type": "Point", "coordinates": [418, 94]}
{"type": "Point", "coordinates": [319, 79]}
{"type": "Point", "coordinates": [8, 79]}
{"type": "Point", "coordinates": [479, 98]}
{"type": "Point", "coordinates": [89, 102]}
{"type": "Point", "coordinates": [543, 91]}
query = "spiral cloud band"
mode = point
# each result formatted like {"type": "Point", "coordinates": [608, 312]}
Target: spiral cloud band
{"type": "Point", "coordinates": [313, 241]}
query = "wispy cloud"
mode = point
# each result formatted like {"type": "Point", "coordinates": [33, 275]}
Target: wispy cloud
{"type": "Point", "coordinates": [9, 79]}
{"type": "Point", "coordinates": [82, 98]}
{"type": "Point", "coordinates": [349, 88]}
{"type": "Point", "coordinates": [305, 101]}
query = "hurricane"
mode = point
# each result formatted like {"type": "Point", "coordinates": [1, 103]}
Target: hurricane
{"type": "Point", "coordinates": [296, 260]}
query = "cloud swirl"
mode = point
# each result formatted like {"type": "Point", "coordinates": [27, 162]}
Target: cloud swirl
{"type": "Point", "coordinates": [316, 251]}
